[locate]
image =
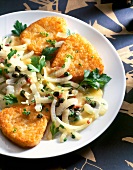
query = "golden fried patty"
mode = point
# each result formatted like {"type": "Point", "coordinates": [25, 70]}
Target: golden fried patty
{"type": "Point", "coordinates": [84, 56]}
{"type": "Point", "coordinates": [37, 34]}
{"type": "Point", "coordinates": [24, 130]}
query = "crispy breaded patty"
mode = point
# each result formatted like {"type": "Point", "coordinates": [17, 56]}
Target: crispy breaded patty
{"type": "Point", "coordinates": [24, 130]}
{"type": "Point", "coordinates": [84, 56]}
{"type": "Point", "coordinates": [37, 34]}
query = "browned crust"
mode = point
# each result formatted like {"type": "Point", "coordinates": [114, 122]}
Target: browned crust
{"type": "Point", "coordinates": [24, 130]}
{"type": "Point", "coordinates": [36, 41]}
{"type": "Point", "coordinates": [84, 56]}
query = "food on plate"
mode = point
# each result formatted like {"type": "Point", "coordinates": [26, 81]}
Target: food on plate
{"type": "Point", "coordinates": [23, 125]}
{"type": "Point", "coordinates": [43, 33]}
{"type": "Point", "coordinates": [84, 56]}
{"type": "Point", "coordinates": [51, 89]}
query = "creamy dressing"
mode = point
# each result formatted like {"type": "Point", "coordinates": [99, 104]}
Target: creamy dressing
{"type": "Point", "coordinates": [92, 113]}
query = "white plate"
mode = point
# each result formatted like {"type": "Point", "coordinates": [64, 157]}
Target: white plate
{"type": "Point", "coordinates": [113, 93]}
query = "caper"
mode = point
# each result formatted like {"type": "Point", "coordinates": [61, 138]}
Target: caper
{"type": "Point", "coordinates": [17, 68]}
{"type": "Point", "coordinates": [56, 93]}
{"type": "Point", "coordinates": [15, 74]}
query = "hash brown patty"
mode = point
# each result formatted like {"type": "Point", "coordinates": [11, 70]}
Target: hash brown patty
{"type": "Point", "coordinates": [37, 34]}
{"type": "Point", "coordinates": [24, 130]}
{"type": "Point", "coordinates": [84, 56]}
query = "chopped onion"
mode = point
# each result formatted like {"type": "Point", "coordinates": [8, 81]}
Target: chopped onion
{"type": "Point", "coordinates": [65, 115]}
{"type": "Point", "coordinates": [15, 61]}
{"type": "Point", "coordinates": [59, 43]}
{"type": "Point", "coordinates": [62, 35]}
{"type": "Point", "coordinates": [10, 81]}
{"type": "Point", "coordinates": [33, 88]}
{"type": "Point", "coordinates": [10, 89]}
{"type": "Point", "coordinates": [38, 107]}
{"type": "Point", "coordinates": [18, 48]}
{"type": "Point", "coordinates": [27, 95]}
{"type": "Point", "coordinates": [26, 102]}
{"type": "Point", "coordinates": [43, 100]}
{"type": "Point", "coordinates": [19, 84]}
{"type": "Point", "coordinates": [28, 55]}
{"type": "Point", "coordinates": [51, 86]}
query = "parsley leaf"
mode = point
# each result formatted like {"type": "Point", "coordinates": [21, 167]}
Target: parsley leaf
{"type": "Point", "coordinates": [52, 42]}
{"type": "Point", "coordinates": [94, 79]}
{"type": "Point", "coordinates": [36, 64]}
{"type": "Point", "coordinates": [53, 129]}
{"type": "Point", "coordinates": [10, 99]}
{"type": "Point", "coordinates": [19, 27]}
{"type": "Point", "coordinates": [35, 61]}
{"type": "Point", "coordinates": [12, 52]}
{"type": "Point", "coordinates": [42, 63]}
{"type": "Point", "coordinates": [25, 112]}
{"type": "Point", "coordinates": [48, 52]}
{"type": "Point", "coordinates": [31, 68]}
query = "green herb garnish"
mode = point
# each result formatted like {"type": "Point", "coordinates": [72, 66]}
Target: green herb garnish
{"type": "Point", "coordinates": [48, 52]}
{"type": "Point", "coordinates": [12, 52]}
{"type": "Point", "coordinates": [14, 130]}
{"type": "Point", "coordinates": [10, 99]}
{"type": "Point", "coordinates": [44, 33]}
{"type": "Point", "coordinates": [25, 112]}
{"type": "Point", "coordinates": [94, 79]}
{"type": "Point", "coordinates": [36, 64]}
{"type": "Point", "coordinates": [53, 129]}
{"type": "Point", "coordinates": [52, 42]}
{"type": "Point", "coordinates": [19, 27]}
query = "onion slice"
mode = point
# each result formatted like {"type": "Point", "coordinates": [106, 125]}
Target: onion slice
{"type": "Point", "coordinates": [61, 71]}
{"type": "Point", "coordinates": [53, 115]}
{"type": "Point", "coordinates": [71, 127]}
{"type": "Point", "coordinates": [58, 80]}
